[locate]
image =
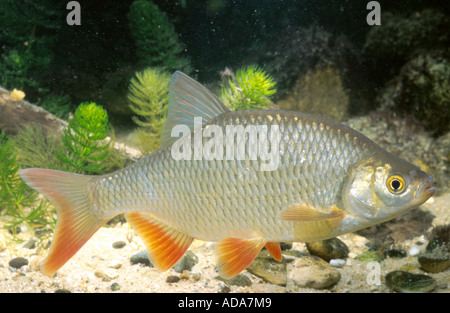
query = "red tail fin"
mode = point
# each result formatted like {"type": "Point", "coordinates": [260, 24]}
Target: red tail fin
{"type": "Point", "coordinates": [70, 193]}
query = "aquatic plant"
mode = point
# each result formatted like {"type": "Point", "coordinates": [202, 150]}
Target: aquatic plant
{"type": "Point", "coordinates": [36, 148]}
{"type": "Point", "coordinates": [249, 89]}
{"type": "Point", "coordinates": [18, 202]}
{"type": "Point", "coordinates": [86, 146]}
{"type": "Point", "coordinates": [60, 106]}
{"type": "Point", "coordinates": [157, 44]}
{"type": "Point", "coordinates": [149, 97]}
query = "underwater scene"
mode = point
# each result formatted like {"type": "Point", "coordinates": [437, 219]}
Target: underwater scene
{"type": "Point", "coordinates": [219, 146]}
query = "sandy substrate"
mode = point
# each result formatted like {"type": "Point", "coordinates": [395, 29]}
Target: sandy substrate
{"type": "Point", "coordinates": [98, 267]}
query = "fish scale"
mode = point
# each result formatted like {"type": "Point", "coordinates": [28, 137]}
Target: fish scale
{"type": "Point", "coordinates": [326, 179]}
{"type": "Point", "coordinates": [199, 189]}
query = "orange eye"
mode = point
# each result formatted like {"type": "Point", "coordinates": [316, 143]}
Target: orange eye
{"type": "Point", "coordinates": [395, 184]}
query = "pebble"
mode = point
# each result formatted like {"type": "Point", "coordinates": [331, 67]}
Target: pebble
{"type": "Point", "coordinates": [18, 262]}
{"type": "Point", "coordinates": [312, 272]}
{"type": "Point", "coordinates": [240, 280]}
{"type": "Point", "coordinates": [172, 279]}
{"type": "Point", "coordinates": [333, 248]}
{"type": "Point", "coordinates": [115, 287]}
{"type": "Point", "coordinates": [415, 251]}
{"type": "Point", "coordinates": [187, 262]}
{"type": "Point", "coordinates": [224, 289]}
{"type": "Point", "coordinates": [119, 244]}
{"type": "Point", "coordinates": [405, 282]}
{"type": "Point", "coordinates": [337, 262]}
{"type": "Point", "coordinates": [395, 253]}
{"type": "Point", "coordinates": [30, 244]}
{"type": "Point", "coordinates": [115, 264]}
{"type": "Point", "coordinates": [141, 258]}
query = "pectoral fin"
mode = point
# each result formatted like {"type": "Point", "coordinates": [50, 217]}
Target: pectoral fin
{"type": "Point", "coordinates": [234, 254]}
{"type": "Point", "coordinates": [302, 213]}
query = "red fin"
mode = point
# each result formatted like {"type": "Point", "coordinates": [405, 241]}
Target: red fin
{"type": "Point", "coordinates": [275, 250]}
{"type": "Point", "coordinates": [302, 213]}
{"type": "Point", "coordinates": [165, 245]}
{"type": "Point", "coordinates": [234, 255]}
{"type": "Point", "coordinates": [76, 224]}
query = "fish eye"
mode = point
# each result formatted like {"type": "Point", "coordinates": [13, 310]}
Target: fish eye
{"type": "Point", "coordinates": [395, 184]}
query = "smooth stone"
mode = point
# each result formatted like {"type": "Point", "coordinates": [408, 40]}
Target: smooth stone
{"type": "Point", "coordinates": [141, 258]}
{"type": "Point", "coordinates": [30, 244]}
{"type": "Point", "coordinates": [333, 248]}
{"type": "Point", "coordinates": [337, 262]}
{"type": "Point", "coordinates": [240, 280]}
{"type": "Point", "coordinates": [405, 282]}
{"type": "Point", "coordinates": [119, 244]}
{"type": "Point", "coordinates": [172, 279]}
{"type": "Point", "coordinates": [18, 262]}
{"type": "Point", "coordinates": [115, 287]}
{"type": "Point", "coordinates": [395, 253]}
{"type": "Point", "coordinates": [313, 272]}
{"type": "Point", "coordinates": [187, 262]}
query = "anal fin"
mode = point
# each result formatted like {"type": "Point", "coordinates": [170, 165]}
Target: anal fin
{"type": "Point", "coordinates": [235, 254]}
{"type": "Point", "coordinates": [165, 245]}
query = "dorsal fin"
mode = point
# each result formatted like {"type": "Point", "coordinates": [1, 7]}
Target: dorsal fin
{"type": "Point", "coordinates": [188, 99]}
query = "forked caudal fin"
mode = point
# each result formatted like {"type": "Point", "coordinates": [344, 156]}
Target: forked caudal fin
{"type": "Point", "coordinates": [76, 224]}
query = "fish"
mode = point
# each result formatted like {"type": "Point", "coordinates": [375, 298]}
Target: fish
{"type": "Point", "coordinates": [243, 179]}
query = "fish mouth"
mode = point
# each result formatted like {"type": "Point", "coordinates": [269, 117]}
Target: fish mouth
{"type": "Point", "coordinates": [426, 191]}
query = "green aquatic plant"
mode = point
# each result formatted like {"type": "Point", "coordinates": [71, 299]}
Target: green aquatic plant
{"type": "Point", "coordinates": [251, 88]}
{"type": "Point", "coordinates": [149, 97]}
{"type": "Point", "coordinates": [18, 203]}
{"type": "Point", "coordinates": [86, 145]}
{"type": "Point", "coordinates": [157, 44]}
{"type": "Point", "coordinates": [59, 106]}
{"type": "Point", "coordinates": [37, 148]}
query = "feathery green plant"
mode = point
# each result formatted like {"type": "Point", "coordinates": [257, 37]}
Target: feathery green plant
{"type": "Point", "coordinates": [17, 200]}
{"type": "Point", "coordinates": [249, 89]}
{"type": "Point", "coordinates": [36, 148]}
{"type": "Point", "coordinates": [149, 97]}
{"type": "Point", "coordinates": [156, 41]}
{"type": "Point", "coordinates": [85, 139]}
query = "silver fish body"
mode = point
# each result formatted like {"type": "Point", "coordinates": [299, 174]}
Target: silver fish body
{"type": "Point", "coordinates": [244, 179]}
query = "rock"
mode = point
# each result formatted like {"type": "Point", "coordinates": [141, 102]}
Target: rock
{"type": "Point", "coordinates": [141, 258]}
{"type": "Point", "coordinates": [270, 270]}
{"type": "Point", "coordinates": [62, 291]}
{"type": "Point", "coordinates": [224, 289]}
{"type": "Point", "coordinates": [337, 262]}
{"type": "Point", "coordinates": [115, 287]}
{"type": "Point", "coordinates": [115, 264]}
{"type": "Point", "coordinates": [172, 279]}
{"type": "Point", "coordinates": [370, 256]}
{"type": "Point", "coordinates": [239, 280]}
{"type": "Point", "coordinates": [333, 248]}
{"type": "Point", "coordinates": [30, 244]}
{"type": "Point", "coordinates": [395, 253]}
{"type": "Point", "coordinates": [415, 251]}
{"type": "Point", "coordinates": [312, 272]}
{"type": "Point", "coordinates": [18, 262]}
{"type": "Point", "coordinates": [405, 282]}
{"type": "Point", "coordinates": [119, 244]}
{"type": "Point", "coordinates": [187, 262]}
{"type": "Point", "coordinates": [436, 257]}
